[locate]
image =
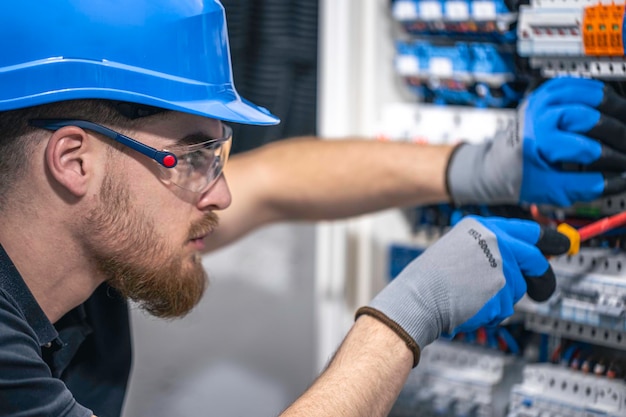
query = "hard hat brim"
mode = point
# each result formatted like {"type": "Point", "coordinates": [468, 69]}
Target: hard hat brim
{"type": "Point", "coordinates": [229, 108]}
{"type": "Point", "coordinates": [71, 79]}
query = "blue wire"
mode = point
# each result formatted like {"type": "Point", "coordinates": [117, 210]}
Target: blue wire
{"type": "Point", "coordinates": [510, 340]}
{"type": "Point", "coordinates": [566, 356]}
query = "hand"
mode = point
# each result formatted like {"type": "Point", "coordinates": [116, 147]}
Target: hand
{"type": "Point", "coordinates": [469, 278]}
{"type": "Point", "coordinates": [570, 146]}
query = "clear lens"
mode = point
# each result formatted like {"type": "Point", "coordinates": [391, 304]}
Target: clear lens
{"type": "Point", "coordinates": [200, 165]}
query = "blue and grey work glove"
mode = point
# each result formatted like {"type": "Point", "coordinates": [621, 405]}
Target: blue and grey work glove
{"type": "Point", "coordinates": [569, 146]}
{"type": "Point", "coordinates": [469, 278]}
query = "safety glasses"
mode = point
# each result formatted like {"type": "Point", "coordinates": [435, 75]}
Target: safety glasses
{"type": "Point", "coordinates": [192, 167]}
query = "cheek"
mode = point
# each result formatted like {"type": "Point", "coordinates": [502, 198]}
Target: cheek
{"type": "Point", "coordinates": [166, 206]}
{"type": "Point", "coordinates": [175, 217]}
{"type": "Point", "coordinates": [171, 218]}
{"type": "Point", "coordinates": [168, 214]}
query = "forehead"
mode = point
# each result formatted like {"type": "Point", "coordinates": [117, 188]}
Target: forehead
{"type": "Point", "coordinates": [172, 127]}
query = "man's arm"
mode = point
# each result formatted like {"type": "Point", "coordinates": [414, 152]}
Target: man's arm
{"type": "Point", "coordinates": [311, 179]}
{"type": "Point", "coordinates": [433, 295]}
{"type": "Point", "coordinates": [363, 379]}
{"type": "Point", "coordinates": [567, 121]}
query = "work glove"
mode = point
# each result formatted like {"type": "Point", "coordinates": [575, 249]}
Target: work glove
{"type": "Point", "coordinates": [469, 278]}
{"type": "Point", "coordinates": [569, 146]}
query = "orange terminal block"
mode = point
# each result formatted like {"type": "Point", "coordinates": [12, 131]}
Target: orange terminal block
{"type": "Point", "coordinates": [602, 30]}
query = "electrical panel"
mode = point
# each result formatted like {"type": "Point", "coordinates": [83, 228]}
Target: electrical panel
{"type": "Point", "coordinates": [444, 71]}
{"type": "Point", "coordinates": [468, 60]}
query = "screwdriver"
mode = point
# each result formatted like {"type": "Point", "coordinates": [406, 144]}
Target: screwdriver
{"type": "Point", "coordinates": [565, 240]}
{"type": "Point", "coordinates": [576, 236]}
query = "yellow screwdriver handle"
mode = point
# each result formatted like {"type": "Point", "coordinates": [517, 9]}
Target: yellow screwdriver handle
{"type": "Point", "coordinates": [573, 236]}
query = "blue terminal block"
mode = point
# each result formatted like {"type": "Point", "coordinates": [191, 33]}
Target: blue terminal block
{"type": "Point", "coordinates": [484, 20]}
{"type": "Point", "coordinates": [449, 73]}
{"type": "Point", "coordinates": [495, 79]}
{"type": "Point", "coordinates": [474, 74]}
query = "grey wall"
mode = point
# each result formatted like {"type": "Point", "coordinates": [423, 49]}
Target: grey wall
{"type": "Point", "coordinates": [248, 348]}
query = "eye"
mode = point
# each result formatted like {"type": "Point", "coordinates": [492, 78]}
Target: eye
{"type": "Point", "coordinates": [198, 159]}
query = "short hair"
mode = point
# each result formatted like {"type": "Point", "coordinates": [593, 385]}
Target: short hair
{"type": "Point", "coordinates": [18, 139]}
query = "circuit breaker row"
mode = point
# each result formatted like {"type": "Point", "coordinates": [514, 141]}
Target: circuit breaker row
{"type": "Point", "coordinates": [456, 379]}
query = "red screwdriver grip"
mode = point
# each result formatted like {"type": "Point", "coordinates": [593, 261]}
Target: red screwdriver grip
{"type": "Point", "coordinates": [601, 226]}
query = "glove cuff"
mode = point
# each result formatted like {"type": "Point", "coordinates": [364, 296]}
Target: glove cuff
{"type": "Point", "coordinates": [448, 167]}
{"type": "Point", "coordinates": [485, 173]}
{"type": "Point", "coordinates": [464, 176]}
{"type": "Point", "coordinates": [397, 329]}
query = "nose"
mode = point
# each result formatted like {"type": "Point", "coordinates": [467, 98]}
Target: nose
{"type": "Point", "coordinates": [217, 197]}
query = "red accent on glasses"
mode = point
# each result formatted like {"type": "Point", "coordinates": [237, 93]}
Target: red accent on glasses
{"type": "Point", "coordinates": [169, 161]}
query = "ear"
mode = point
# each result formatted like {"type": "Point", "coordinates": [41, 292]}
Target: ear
{"type": "Point", "coordinates": [70, 156]}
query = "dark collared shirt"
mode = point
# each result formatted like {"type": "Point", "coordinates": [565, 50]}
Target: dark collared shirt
{"type": "Point", "coordinates": [78, 367]}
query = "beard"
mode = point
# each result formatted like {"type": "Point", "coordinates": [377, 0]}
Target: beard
{"type": "Point", "coordinates": [137, 261]}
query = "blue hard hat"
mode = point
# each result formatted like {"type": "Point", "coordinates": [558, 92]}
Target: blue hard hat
{"type": "Point", "coordinates": [171, 54]}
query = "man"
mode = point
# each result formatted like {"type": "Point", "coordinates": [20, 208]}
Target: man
{"type": "Point", "coordinates": [112, 152]}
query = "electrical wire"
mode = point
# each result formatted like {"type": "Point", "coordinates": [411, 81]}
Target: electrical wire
{"type": "Point", "coordinates": [539, 217]}
{"type": "Point", "coordinates": [481, 336]}
{"type": "Point", "coordinates": [554, 358]}
{"type": "Point", "coordinates": [566, 357]}
{"type": "Point", "coordinates": [509, 340]}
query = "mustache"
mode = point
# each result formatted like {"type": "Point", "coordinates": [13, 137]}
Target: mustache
{"type": "Point", "coordinates": [204, 226]}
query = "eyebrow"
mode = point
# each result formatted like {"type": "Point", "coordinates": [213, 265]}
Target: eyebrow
{"type": "Point", "coordinates": [194, 138]}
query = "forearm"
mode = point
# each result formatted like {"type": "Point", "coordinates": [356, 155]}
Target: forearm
{"type": "Point", "coordinates": [316, 179]}
{"type": "Point", "coordinates": [363, 379]}
{"type": "Point", "coordinates": [309, 179]}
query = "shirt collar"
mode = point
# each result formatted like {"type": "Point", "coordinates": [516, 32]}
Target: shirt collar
{"type": "Point", "coordinates": [13, 283]}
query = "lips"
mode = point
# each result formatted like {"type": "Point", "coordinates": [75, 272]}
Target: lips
{"type": "Point", "coordinates": [201, 235]}
{"type": "Point", "coordinates": [203, 228]}
{"type": "Point", "coordinates": [197, 243]}
{"type": "Point", "coordinates": [198, 234]}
